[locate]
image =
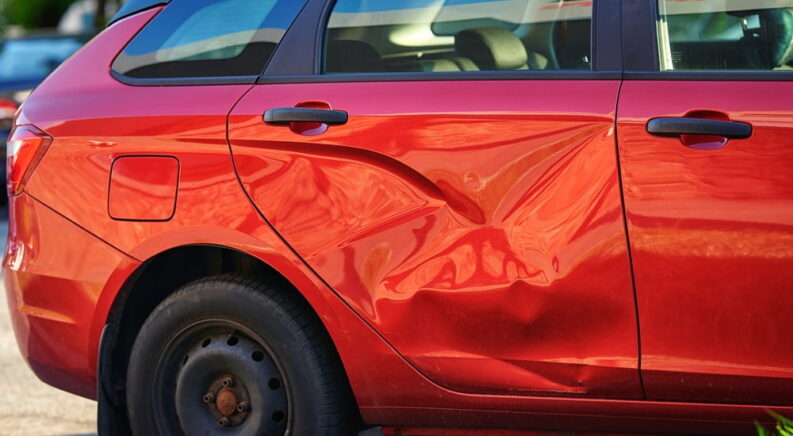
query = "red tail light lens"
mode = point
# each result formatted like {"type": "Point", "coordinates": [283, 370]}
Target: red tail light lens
{"type": "Point", "coordinates": [25, 149]}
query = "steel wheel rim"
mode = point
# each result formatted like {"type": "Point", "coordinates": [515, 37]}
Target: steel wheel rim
{"type": "Point", "coordinates": [176, 370]}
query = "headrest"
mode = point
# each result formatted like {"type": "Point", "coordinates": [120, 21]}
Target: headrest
{"type": "Point", "coordinates": [439, 65]}
{"type": "Point", "coordinates": [492, 48]}
{"type": "Point", "coordinates": [350, 56]}
{"type": "Point", "coordinates": [778, 24]}
{"type": "Point", "coordinates": [772, 43]}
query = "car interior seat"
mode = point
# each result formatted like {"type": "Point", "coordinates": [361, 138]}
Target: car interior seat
{"type": "Point", "coordinates": [492, 49]}
{"type": "Point", "coordinates": [768, 46]}
{"type": "Point", "coordinates": [352, 56]}
{"type": "Point", "coordinates": [570, 44]}
{"type": "Point", "coordinates": [772, 43]}
{"type": "Point", "coordinates": [438, 65]}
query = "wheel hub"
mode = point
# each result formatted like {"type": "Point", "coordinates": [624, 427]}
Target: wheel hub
{"type": "Point", "coordinates": [227, 401]}
{"type": "Point", "coordinates": [228, 381]}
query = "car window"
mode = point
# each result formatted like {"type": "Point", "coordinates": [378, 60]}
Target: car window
{"type": "Point", "coordinates": [208, 38]}
{"type": "Point", "coordinates": [717, 35]}
{"type": "Point", "coordinates": [365, 36]}
{"type": "Point", "coordinates": [35, 58]}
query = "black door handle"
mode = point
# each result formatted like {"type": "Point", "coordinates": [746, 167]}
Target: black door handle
{"type": "Point", "coordinates": [287, 115]}
{"type": "Point", "coordinates": [699, 126]}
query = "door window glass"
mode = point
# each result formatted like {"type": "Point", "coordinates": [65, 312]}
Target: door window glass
{"type": "Point", "coordinates": [208, 38]}
{"type": "Point", "coordinates": [379, 36]}
{"type": "Point", "coordinates": [726, 35]}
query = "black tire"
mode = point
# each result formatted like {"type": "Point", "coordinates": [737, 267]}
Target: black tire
{"type": "Point", "coordinates": [231, 340]}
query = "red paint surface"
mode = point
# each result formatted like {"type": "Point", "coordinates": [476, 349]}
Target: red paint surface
{"type": "Point", "coordinates": [475, 225]}
{"type": "Point", "coordinates": [143, 188]}
{"type": "Point", "coordinates": [712, 239]}
{"type": "Point", "coordinates": [55, 274]}
{"type": "Point", "coordinates": [481, 237]}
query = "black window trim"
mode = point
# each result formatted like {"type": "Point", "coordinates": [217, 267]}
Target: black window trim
{"type": "Point", "coordinates": [641, 52]}
{"type": "Point", "coordinates": [606, 54]}
{"type": "Point", "coordinates": [193, 81]}
{"type": "Point", "coordinates": [296, 54]}
{"type": "Point", "coordinates": [183, 81]}
{"type": "Point", "coordinates": [442, 76]}
{"type": "Point", "coordinates": [132, 7]}
{"type": "Point", "coordinates": [711, 76]}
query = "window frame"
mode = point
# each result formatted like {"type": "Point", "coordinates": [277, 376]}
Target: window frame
{"type": "Point", "coordinates": [285, 67]}
{"type": "Point", "coordinates": [132, 7]}
{"type": "Point", "coordinates": [186, 81]}
{"type": "Point", "coordinates": [642, 51]}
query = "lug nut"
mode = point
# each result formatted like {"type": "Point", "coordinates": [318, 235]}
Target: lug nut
{"type": "Point", "coordinates": [209, 398]}
{"type": "Point", "coordinates": [228, 381]}
{"type": "Point", "coordinates": [223, 421]}
{"type": "Point", "coordinates": [242, 407]}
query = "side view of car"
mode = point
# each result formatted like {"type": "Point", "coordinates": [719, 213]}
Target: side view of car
{"type": "Point", "coordinates": [317, 216]}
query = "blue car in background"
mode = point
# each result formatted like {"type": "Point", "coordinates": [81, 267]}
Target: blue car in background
{"type": "Point", "coordinates": [24, 63]}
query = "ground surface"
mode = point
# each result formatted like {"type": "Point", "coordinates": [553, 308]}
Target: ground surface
{"type": "Point", "coordinates": [33, 408]}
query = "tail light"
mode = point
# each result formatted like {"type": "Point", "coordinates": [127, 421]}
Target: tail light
{"type": "Point", "coordinates": [8, 109]}
{"type": "Point", "coordinates": [25, 149]}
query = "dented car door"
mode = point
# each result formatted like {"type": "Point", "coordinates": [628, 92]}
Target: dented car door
{"type": "Point", "coordinates": [475, 224]}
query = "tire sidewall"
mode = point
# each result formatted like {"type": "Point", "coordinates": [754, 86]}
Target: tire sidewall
{"type": "Point", "coordinates": [271, 323]}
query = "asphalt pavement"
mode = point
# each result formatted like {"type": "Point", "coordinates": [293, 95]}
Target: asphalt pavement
{"type": "Point", "coordinates": [30, 407]}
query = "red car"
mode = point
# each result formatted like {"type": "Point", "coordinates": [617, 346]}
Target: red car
{"type": "Point", "coordinates": [312, 217]}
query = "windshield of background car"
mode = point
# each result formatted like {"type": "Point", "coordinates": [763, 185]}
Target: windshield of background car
{"type": "Point", "coordinates": [34, 58]}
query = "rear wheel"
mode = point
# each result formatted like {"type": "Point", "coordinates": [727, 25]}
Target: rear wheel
{"type": "Point", "coordinates": [229, 355]}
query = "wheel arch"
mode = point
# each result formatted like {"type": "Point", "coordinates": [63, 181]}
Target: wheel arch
{"type": "Point", "coordinates": [150, 284]}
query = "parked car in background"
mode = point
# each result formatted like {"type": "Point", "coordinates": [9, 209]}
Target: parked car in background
{"type": "Point", "coordinates": [303, 217]}
{"type": "Point", "coordinates": [24, 63]}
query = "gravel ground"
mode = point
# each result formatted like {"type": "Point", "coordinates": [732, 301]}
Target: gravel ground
{"type": "Point", "coordinates": [32, 407]}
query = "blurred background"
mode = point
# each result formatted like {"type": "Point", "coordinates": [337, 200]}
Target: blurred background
{"type": "Point", "coordinates": [35, 37]}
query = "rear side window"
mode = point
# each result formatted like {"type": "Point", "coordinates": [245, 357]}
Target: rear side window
{"type": "Point", "coordinates": [208, 38]}
{"type": "Point", "coordinates": [709, 35]}
{"type": "Point", "coordinates": [365, 36]}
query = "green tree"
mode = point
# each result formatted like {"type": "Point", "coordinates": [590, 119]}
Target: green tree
{"type": "Point", "coordinates": [784, 426]}
{"type": "Point", "coordinates": [100, 19]}
{"type": "Point", "coordinates": [32, 14]}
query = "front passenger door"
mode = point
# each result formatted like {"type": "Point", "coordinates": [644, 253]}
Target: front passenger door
{"type": "Point", "coordinates": [706, 145]}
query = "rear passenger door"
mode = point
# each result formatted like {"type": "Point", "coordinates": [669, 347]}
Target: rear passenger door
{"type": "Point", "coordinates": [449, 168]}
{"type": "Point", "coordinates": [706, 144]}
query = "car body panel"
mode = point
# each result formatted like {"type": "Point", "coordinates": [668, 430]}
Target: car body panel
{"type": "Point", "coordinates": [55, 273]}
{"type": "Point", "coordinates": [712, 241]}
{"type": "Point", "coordinates": [439, 206]}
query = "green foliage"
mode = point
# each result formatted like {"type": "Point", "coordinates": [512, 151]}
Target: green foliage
{"type": "Point", "coordinates": [784, 426]}
{"type": "Point", "coordinates": [33, 14]}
